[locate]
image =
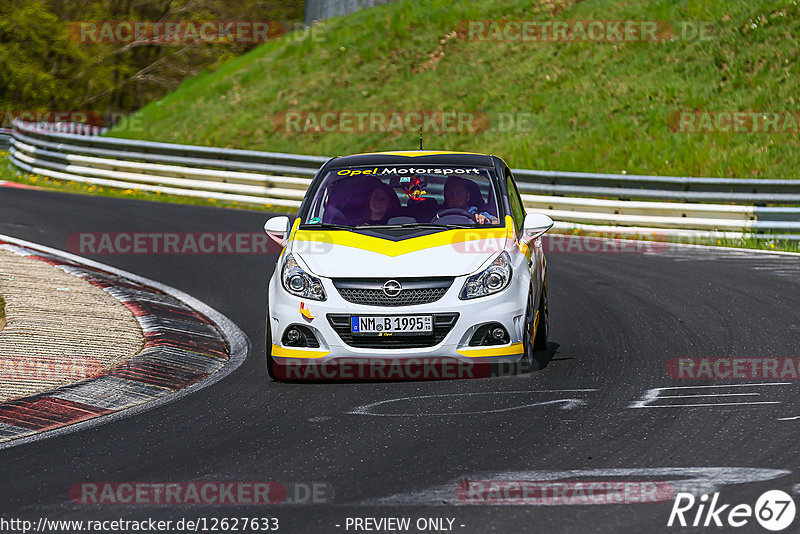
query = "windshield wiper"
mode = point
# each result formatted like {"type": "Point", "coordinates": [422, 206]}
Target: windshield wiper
{"type": "Point", "coordinates": [327, 226]}
{"type": "Point", "coordinates": [331, 226]}
{"type": "Point", "coordinates": [412, 225]}
{"type": "Point", "coordinates": [435, 225]}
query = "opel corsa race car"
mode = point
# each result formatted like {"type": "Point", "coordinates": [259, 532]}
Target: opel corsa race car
{"type": "Point", "coordinates": [408, 255]}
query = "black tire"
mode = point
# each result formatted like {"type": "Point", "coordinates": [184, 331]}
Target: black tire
{"type": "Point", "coordinates": [543, 326]}
{"type": "Point", "coordinates": [270, 360]}
{"type": "Point", "coordinates": [527, 362]}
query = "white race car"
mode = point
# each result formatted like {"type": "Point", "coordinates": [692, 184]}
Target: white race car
{"type": "Point", "coordinates": [407, 256]}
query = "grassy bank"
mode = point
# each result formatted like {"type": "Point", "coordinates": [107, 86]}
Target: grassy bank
{"type": "Point", "coordinates": [594, 106]}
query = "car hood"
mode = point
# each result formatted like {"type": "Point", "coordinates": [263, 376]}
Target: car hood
{"type": "Point", "coordinates": [343, 254]}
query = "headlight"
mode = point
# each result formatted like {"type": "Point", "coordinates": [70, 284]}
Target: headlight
{"type": "Point", "coordinates": [493, 279]}
{"type": "Point", "coordinates": [299, 283]}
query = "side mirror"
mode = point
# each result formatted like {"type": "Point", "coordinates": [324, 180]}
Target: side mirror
{"type": "Point", "coordinates": [277, 228]}
{"type": "Point", "coordinates": [535, 225]}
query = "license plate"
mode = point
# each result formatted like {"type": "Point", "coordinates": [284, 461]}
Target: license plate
{"type": "Point", "coordinates": [394, 324]}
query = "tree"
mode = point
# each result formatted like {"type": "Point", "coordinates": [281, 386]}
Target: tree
{"type": "Point", "coordinates": [46, 64]}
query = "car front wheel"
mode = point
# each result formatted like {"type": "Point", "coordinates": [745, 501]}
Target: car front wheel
{"type": "Point", "coordinates": [543, 326]}
{"type": "Point", "coordinates": [270, 360]}
{"type": "Point", "coordinates": [527, 335]}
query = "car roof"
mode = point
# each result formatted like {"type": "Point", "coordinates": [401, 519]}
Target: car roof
{"type": "Point", "coordinates": [413, 157]}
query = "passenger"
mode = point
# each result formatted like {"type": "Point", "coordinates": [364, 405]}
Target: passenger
{"type": "Point", "coordinates": [456, 196]}
{"type": "Point", "coordinates": [381, 205]}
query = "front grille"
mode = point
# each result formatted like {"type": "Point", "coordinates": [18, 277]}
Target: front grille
{"type": "Point", "coordinates": [369, 292]}
{"type": "Point", "coordinates": [376, 297]}
{"type": "Point", "coordinates": [442, 324]}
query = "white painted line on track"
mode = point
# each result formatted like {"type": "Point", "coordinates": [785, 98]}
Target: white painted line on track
{"type": "Point", "coordinates": [708, 404]}
{"type": "Point", "coordinates": [567, 403]}
{"type": "Point", "coordinates": [652, 395]}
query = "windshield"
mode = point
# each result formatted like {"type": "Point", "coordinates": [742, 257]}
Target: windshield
{"type": "Point", "coordinates": [405, 195]}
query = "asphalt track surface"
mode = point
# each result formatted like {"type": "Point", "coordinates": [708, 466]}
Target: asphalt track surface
{"type": "Point", "coordinates": [616, 320]}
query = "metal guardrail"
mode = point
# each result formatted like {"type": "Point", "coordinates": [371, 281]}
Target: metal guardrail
{"type": "Point", "coordinates": [673, 188]}
{"type": "Point", "coordinates": [169, 153]}
{"type": "Point", "coordinates": [598, 202]}
{"type": "Point", "coordinates": [5, 138]}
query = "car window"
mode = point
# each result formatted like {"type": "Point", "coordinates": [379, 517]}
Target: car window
{"type": "Point", "coordinates": [515, 202]}
{"type": "Point", "coordinates": [408, 195]}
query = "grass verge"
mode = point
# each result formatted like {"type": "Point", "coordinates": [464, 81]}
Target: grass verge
{"type": "Point", "coordinates": [764, 242]}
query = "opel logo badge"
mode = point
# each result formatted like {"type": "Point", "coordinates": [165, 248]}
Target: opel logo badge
{"type": "Point", "coordinates": [392, 288]}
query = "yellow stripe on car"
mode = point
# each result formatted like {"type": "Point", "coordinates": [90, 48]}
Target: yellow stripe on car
{"type": "Point", "coordinates": [293, 231]}
{"type": "Point", "coordinates": [286, 352]}
{"type": "Point", "coordinates": [391, 248]}
{"type": "Point", "coordinates": [295, 226]}
{"type": "Point", "coordinates": [483, 352]}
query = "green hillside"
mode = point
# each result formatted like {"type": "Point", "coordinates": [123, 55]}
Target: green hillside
{"type": "Point", "coordinates": [592, 106]}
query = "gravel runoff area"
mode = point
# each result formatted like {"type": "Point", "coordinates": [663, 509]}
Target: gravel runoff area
{"type": "Point", "coordinates": [60, 328]}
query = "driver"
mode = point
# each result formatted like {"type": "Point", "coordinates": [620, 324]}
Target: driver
{"type": "Point", "coordinates": [456, 196]}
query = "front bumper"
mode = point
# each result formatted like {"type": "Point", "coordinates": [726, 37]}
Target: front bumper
{"type": "Point", "coordinates": [507, 308]}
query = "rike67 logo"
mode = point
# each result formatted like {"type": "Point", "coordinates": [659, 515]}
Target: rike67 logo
{"type": "Point", "coordinates": [774, 510]}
